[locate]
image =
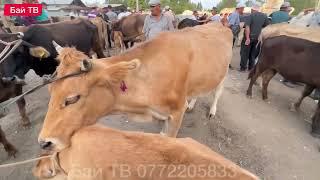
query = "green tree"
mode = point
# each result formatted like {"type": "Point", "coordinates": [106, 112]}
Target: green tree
{"type": "Point", "coordinates": [199, 6]}
{"type": "Point", "coordinates": [143, 4]}
{"type": "Point", "coordinates": [226, 4]}
{"type": "Point", "coordinates": [299, 5]}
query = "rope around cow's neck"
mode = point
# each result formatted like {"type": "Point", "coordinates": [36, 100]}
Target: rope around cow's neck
{"type": "Point", "coordinates": [51, 79]}
{"type": "Point", "coordinates": [16, 43]}
{"type": "Point", "coordinates": [52, 156]}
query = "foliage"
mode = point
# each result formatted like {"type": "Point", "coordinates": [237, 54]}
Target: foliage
{"type": "Point", "coordinates": [226, 4]}
{"type": "Point", "coordinates": [299, 5]}
{"type": "Point", "coordinates": [178, 6]}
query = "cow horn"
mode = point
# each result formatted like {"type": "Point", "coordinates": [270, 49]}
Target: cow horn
{"type": "Point", "coordinates": [20, 35]}
{"type": "Point", "coordinates": [57, 46]}
{"type": "Point", "coordinates": [86, 65]}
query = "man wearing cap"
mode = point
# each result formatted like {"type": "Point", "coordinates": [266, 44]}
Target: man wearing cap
{"type": "Point", "coordinates": [282, 15]}
{"type": "Point", "coordinates": [156, 22]}
{"type": "Point", "coordinates": [234, 20]}
{"type": "Point", "coordinates": [253, 27]}
{"type": "Point", "coordinates": [111, 15]}
{"type": "Point", "coordinates": [215, 17]}
{"type": "Point", "coordinates": [124, 13]}
{"type": "Point", "coordinates": [168, 12]}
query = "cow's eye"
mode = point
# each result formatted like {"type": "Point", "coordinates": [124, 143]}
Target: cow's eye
{"type": "Point", "coordinates": [71, 100]}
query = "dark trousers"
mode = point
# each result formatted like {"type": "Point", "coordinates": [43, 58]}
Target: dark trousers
{"type": "Point", "coordinates": [248, 54]}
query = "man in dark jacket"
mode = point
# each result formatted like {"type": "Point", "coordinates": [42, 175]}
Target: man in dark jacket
{"type": "Point", "coordinates": [249, 50]}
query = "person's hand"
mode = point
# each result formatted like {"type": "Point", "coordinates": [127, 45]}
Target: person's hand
{"type": "Point", "coordinates": [247, 42]}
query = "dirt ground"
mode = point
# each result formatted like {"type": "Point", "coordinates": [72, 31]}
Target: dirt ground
{"type": "Point", "coordinates": [264, 137]}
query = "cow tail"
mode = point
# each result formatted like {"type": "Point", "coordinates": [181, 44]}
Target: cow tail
{"type": "Point", "coordinates": [259, 45]}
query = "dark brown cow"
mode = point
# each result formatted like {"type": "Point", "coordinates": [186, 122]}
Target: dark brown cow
{"type": "Point", "coordinates": [295, 59]}
{"type": "Point", "coordinates": [131, 27]}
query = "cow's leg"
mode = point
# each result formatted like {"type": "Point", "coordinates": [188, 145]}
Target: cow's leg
{"type": "Point", "coordinates": [96, 46]}
{"type": "Point", "coordinates": [267, 76]}
{"type": "Point", "coordinates": [22, 110]}
{"type": "Point", "coordinates": [10, 149]}
{"type": "Point", "coordinates": [191, 105]}
{"type": "Point", "coordinates": [172, 125]}
{"type": "Point", "coordinates": [306, 92]}
{"type": "Point", "coordinates": [216, 95]}
{"type": "Point", "coordinates": [316, 123]}
{"type": "Point", "coordinates": [254, 74]}
{"type": "Point", "coordinates": [22, 107]}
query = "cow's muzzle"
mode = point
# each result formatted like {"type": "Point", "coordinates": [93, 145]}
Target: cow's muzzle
{"type": "Point", "coordinates": [46, 145]}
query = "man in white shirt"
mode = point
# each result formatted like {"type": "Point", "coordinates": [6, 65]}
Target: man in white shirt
{"type": "Point", "coordinates": [215, 17]}
{"type": "Point", "coordinates": [124, 13]}
{"type": "Point", "coordinates": [168, 12]}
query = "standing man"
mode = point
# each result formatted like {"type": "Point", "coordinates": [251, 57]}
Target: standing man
{"type": "Point", "coordinates": [168, 12]}
{"type": "Point", "coordinates": [234, 20]}
{"type": "Point", "coordinates": [112, 16]}
{"type": "Point", "coordinates": [44, 17]}
{"type": "Point", "coordinates": [215, 17]}
{"type": "Point", "coordinates": [253, 27]}
{"type": "Point", "coordinates": [124, 13]}
{"type": "Point", "coordinates": [282, 15]}
{"type": "Point", "coordinates": [156, 22]}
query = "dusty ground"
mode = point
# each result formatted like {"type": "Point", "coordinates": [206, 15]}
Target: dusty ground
{"type": "Point", "coordinates": [265, 138]}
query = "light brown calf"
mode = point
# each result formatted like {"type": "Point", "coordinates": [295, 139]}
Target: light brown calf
{"type": "Point", "coordinates": [118, 42]}
{"type": "Point", "coordinates": [151, 80]}
{"type": "Point", "coordinates": [100, 153]}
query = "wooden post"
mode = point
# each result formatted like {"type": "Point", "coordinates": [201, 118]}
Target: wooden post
{"type": "Point", "coordinates": [137, 5]}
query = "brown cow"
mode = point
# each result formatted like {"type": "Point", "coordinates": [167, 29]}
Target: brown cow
{"type": "Point", "coordinates": [101, 153]}
{"type": "Point", "coordinates": [295, 59]}
{"type": "Point", "coordinates": [118, 42]}
{"type": "Point", "coordinates": [153, 79]}
{"type": "Point", "coordinates": [131, 27]}
{"type": "Point", "coordinates": [102, 27]}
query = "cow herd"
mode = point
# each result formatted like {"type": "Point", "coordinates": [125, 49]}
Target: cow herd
{"type": "Point", "coordinates": [144, 83]}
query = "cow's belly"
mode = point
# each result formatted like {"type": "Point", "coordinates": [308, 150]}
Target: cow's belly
{"type": "Point", "coordinates": [205, 77]}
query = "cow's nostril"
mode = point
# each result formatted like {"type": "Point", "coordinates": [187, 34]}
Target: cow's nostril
{"type": "Point", "coordinates": [45, 145]}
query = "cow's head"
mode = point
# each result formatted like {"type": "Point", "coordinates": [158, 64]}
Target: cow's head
{"type": "Point", "coordinates": [36, 52]}
{"type": "Point", "coordinates": [80, 100]}
{"type": "Point", "coordinates": [47, 169]}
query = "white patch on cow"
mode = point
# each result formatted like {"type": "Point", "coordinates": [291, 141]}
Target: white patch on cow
{"type": "Point", "coordinates": [191, 104]}
{"type": "Point", "coordinates": [216, 95]}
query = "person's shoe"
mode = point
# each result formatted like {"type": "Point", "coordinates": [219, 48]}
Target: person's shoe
{"type": "Point", "coordinates": [289, 84]}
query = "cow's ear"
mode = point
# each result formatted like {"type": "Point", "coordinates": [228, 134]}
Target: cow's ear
{"type": "Point", "coordinates": [117, 72]}
{"type": "Point", "coordinates": [39, 52]}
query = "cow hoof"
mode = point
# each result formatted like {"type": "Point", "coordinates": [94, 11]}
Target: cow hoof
{"type": "Point", "coordinates": [211, 116]}
{"type": "Point", "coordinates": [189, 109]}
{"type": "Point", "coordinates": [315, 134]}
{"type": "Point", "coordinates": [163, 134]}
{"type": "Point", "coordinates": [294, 108]}
{"type": "Point", "coordinates": [11, 150]}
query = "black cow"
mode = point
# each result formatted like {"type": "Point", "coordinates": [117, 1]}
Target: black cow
{"type": "Point", "coordinates": [187, 23]}
{"type": "Point", "coordinates": [39, 53]}
{"type": "Point", "coordinates": [79, 33]}
{"type": "Point", "coordinates": [296, 60]}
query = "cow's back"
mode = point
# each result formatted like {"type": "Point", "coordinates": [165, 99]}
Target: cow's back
{"type": "Point", "coordinates": [292, 57]}
{"type": "Point", "coordinates": [131, 26]}
{"type": "Point", "coordinates": [209, 55]}
{"type": "Point", "coordinates": [67, 33]}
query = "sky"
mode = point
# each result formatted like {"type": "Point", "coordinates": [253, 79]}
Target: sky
{"type": "Point", "coordinates": [207, 4]}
